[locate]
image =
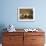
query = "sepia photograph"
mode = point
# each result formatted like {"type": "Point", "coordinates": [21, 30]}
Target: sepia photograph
{"type": "Point", "coordinates": [26, 14]}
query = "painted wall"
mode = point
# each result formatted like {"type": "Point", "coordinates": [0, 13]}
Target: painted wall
{"type": "Point", "coordinates": [9, 13]}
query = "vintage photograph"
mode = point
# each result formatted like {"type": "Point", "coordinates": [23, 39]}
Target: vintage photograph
{"type": "Point", "coordinates": [26, 14]}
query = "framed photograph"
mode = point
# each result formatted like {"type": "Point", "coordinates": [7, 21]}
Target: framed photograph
{"type": "Point", "coordinates": [26, 14]}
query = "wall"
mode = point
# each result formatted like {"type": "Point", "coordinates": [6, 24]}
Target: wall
{"type": "Point", "coordinates": [9, 14]}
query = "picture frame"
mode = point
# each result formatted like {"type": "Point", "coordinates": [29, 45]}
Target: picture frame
{"type": "Point", "coordinates": [26, 14]}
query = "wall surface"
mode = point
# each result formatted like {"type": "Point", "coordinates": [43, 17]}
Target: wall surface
{"type": "Point", "coordinates": [8, 13]}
